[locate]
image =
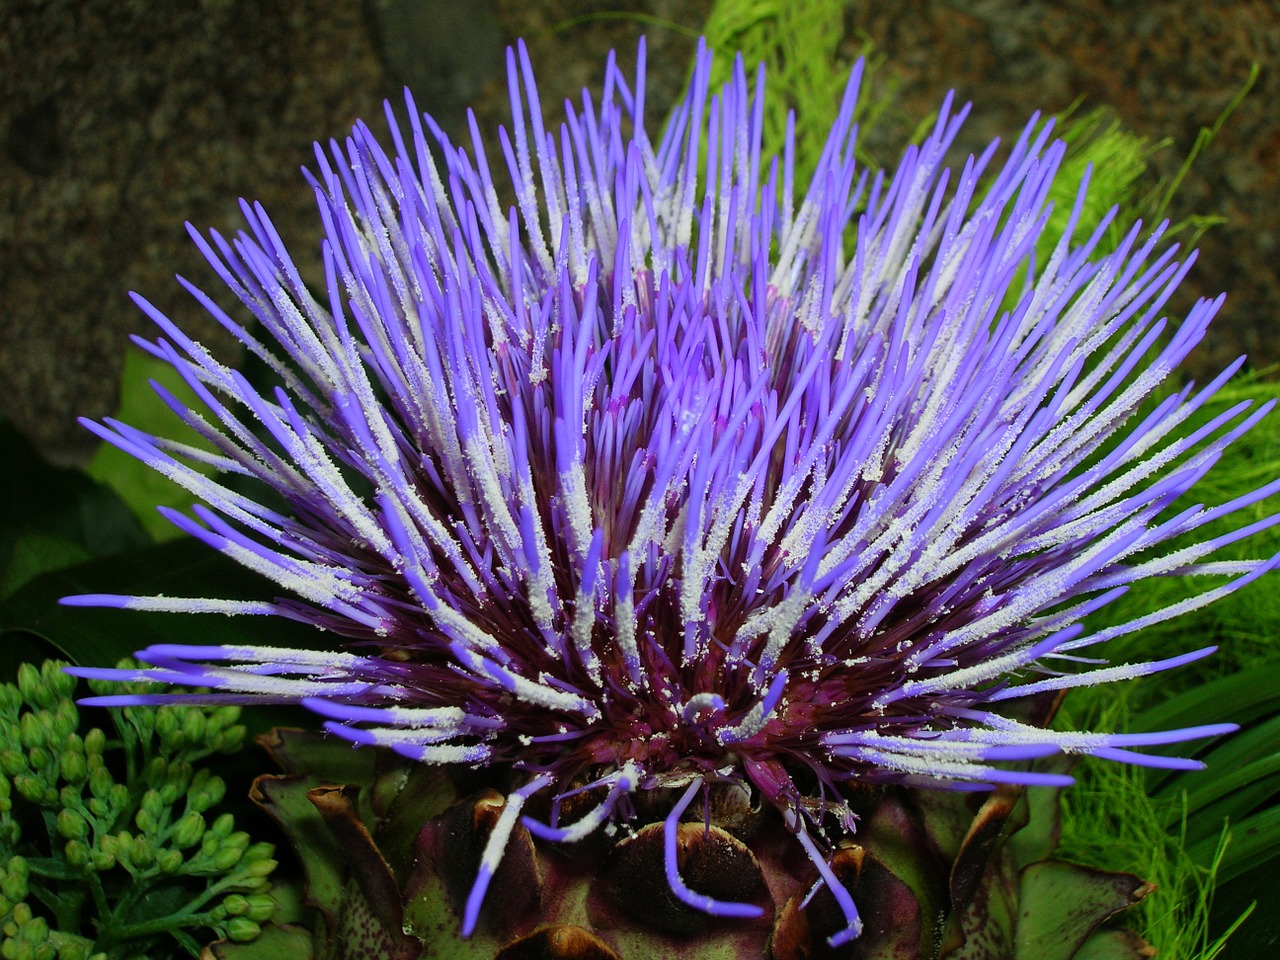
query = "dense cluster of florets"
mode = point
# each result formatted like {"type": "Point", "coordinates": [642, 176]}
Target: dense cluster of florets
{"type": "Point", "coordinates": [680, 472]}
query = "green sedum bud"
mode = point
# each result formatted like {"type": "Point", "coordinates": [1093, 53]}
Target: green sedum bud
{"type": "Point", "coordinates": [146, 822]}
{"type": "Point", "coordinates": [72, 825]}
{"type": "Point", "coordinates": [64, 720]}
{"type": "Point", "coordinates": [156, 772]}
{"type": "Point", "coordinates": [194, 727]}
{"type": "Point", "coordinates": [226, 858]}
{"type": "Point", "coordinates": [31, 687]}
{"type": "Point", "coordinates": [13, 762]}
{"type": "Point", "coordinates": [167, 726]}
{"type": "Point", "coordinates": [39, 759]}
{"type": "Point", "coordinates": [242, 929]}
{"type": "Point", "coordinates": [101, 784]}
{"type": "Point", "coordinates": [32, 788]}
{"type": "Point", "coordinates": [13, 883]}
{"type": "Point", "coordinates": [229, 740]}
{"type": "Point", "coordinates": [188, 831]}
{"type": "Point", "coordinates": [95, 741]}
{"type": "Point", "coordinates": [60, 685]}
{"type": "Point", "coordinates": [34, 732]}
{"type": "Point", "coordinates": [77, 853]}
{"type": "Point", "coordinates": [223, 826]}
{"type": "Point", "coordinates": [261, 868]}
{"type": "Point", "coordinates": [143, 853]}
{"type": "Point", "coordinates": [262, 907]}
{"type": "Point", "coordinates": [47, 760]}
{"type": "Point", "coordinates": [74, 768]}
{"type": "Point", "coordinates": [177, 782]}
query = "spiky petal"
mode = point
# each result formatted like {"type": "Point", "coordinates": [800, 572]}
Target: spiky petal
{"type": "Point", "coordinates": [661, 478]}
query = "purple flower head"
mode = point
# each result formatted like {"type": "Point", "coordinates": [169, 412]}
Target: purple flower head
{"type": "Point", "coordinates": [679, 472]}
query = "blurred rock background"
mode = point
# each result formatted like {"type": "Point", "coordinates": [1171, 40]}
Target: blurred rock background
{"type": "Point", "coordinates": [120, 119]}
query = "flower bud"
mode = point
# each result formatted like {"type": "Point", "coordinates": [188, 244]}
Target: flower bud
{"type": "Point", "coordinates": [229, 740]}
{"type": "Point", "coordinates": [236, 905]}
{"type": "Point", "coordinates": [145, 822]}
{"type": "Point", "coordinates": [65, 720]}
{"type": "Point", "coordinates": [29, 787]}
{"type": "Point", "coordinates": [143, 853]}
{"type": "Point", "coordinates": [209, 795]}
{"type": "Point", "coordinates": [39, 759]}
{"type": "Point", "coordinates": [226, 858]}
{"type": "Point", "coordinates": [261, 907]}
{"type": "Point", "coordinates": [72, 824]}
{"type": "Point", "coordinates": [259, 851]}
{"type": "Point", "coordinates": [74, 769]}
{"type": "Point", "coordinates": [176, 783]}
{"type": "Point", "coordinates": [95, 741]}
{"type": "Point", "coordinates": [166, 721]}
{"type": "Point", "coordinates": [188, 831]}
{"type": "Point", "coordinates": [60, 685]}
{"type": "Point", "coordinates": [143, 720]}
{"type": "Point", "coordinates": [261, 868]}
{"type": "Point", "coordinates": [169, 861]}
{"type": "Point", "coordinates": [77, 853]}
{"type": "Point", "coordinates": [13, 762]}
{"type": "Point", "coordinates": [100, 783]}
{"type": "Point", "coordinates": [220, 718]}
{"type": "Point", "coordinates": [33, 732]}
{"type": "Point", "coordinates": [153, 804]}
{"type": "Point", "coordinates": [118, 797]}
{"type": "Point", "coordinates": [193, 725]}
{"type": "Point", "coordinates": [10, 698]}
{"type": "Point", "coordinates": [13, 882]}
{"type": "Point", "coordinates": [242, 930]}
{"type": "Point", "coordinates": [223, 826]}
{"type": "Point", "coordinates": [33, 690]}
{"type": "Point", "coordinates": [156, 772]}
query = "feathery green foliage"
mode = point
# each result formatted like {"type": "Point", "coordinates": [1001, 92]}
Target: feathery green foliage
{"type": "Point", "coordinates": [1110, 821]}
{"type": "Point", "coordinates": [798, 41]}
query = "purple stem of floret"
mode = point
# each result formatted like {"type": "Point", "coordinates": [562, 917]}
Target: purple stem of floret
{"type": "Point", "coordinates": [670, 842]}
{"type": "Point", "coordinates": [494, 848]}
{"type": "Point", "coordinates": [844, 900]}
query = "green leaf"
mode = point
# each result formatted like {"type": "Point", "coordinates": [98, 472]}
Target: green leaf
{"type": "Point", "coordinates": [1238, 698]}
{"type": "Point", "coordinates": [1254, 841]}
{"type": "Point", "coordinates": [53, 517]}
{"type": "Point", "coordinates": [1114, 945]}
{"type": "Point", "coordinates": [1230, 798]}
{"type": "Point", "coordinates": [285, 799]}
{"type": "Point", "coordinates": [327, 759]}
{"type": "Point", "coordinates": [184, 568]}
{"type": "Point", "coordinates": [1061, 904]}
{"type": "Point", "coordinates": [139, 486]}
{"type": "Point", "coordinates": [289, 941]}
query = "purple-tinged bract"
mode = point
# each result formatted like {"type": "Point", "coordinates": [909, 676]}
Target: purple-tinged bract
{"type": "Point", "coordinates": [679, 472]}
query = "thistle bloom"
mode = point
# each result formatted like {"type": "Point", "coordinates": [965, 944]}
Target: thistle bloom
{"type": "Point", "coordinates": [680, 473]}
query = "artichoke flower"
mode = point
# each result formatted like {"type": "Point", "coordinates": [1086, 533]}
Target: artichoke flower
{"type": "Point", "coordinates": [680, 499]}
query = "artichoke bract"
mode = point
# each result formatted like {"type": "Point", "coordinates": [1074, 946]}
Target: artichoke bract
{"type": "Point", "coordinates": [937, 875]}
{"type": "Point", "coordinates": [678, 480]}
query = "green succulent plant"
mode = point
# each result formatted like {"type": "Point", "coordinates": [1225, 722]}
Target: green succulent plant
{"type": "Point", "coordinates": [111, 841]}
{"type": "Point", "coordinates": [390, 849]}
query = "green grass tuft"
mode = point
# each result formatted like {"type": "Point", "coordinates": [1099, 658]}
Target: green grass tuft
{"type": "Point", "coordinates": [1109, 821]}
